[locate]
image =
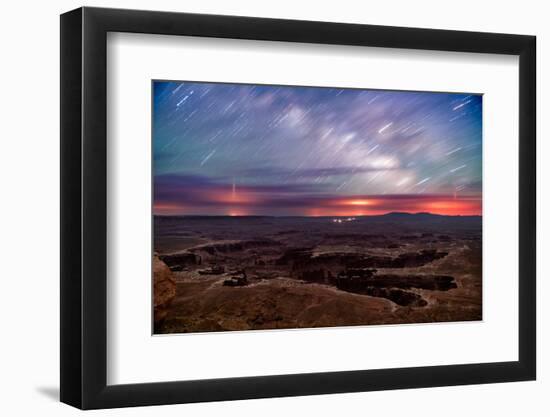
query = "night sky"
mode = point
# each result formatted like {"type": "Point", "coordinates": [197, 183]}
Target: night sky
{"type": "Point", "coordinates": [235, 149]}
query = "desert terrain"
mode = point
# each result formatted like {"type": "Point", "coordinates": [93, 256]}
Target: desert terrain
{"type": "Point", "coordinates": [219, 273]}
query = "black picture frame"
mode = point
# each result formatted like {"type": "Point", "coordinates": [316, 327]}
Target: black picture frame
{"type": "Point", "coordinates": [84, 207]}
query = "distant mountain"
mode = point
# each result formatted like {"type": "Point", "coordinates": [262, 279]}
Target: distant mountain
{"type": "Point", "coordinates": [404, 214]}
{"type": "Point", "coordinates": [398, 216]}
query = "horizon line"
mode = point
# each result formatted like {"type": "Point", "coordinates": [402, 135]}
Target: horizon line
{"type": "Point", "coordinates": [327, 216]}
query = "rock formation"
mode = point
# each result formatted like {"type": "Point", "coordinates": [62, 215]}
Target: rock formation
{"type": "Point", "coordinates": [164, 290]}
{"type": "Point", "coordinates": [178, 261]}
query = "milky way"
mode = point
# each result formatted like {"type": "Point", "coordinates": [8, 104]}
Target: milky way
{"type": "Point", "coordinates": [236, 149]}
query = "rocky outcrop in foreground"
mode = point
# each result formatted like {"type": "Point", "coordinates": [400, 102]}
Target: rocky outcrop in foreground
{"type": "Point", "coordinates": [164, 290]}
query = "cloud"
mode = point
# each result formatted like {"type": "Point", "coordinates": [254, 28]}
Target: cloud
{"type": "Point", "coordinates": [380, 164]}
{"type": "Point", "coordinates": [189, 194]}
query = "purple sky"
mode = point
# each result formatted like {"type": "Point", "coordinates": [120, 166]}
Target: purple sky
{"type": "Point", "coordinates": [233, 149]}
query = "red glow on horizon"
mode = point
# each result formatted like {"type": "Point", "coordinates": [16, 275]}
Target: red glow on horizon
{"type": "Point", "coordinates": [245, 203]}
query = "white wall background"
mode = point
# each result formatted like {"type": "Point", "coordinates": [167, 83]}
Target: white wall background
{"type": "Point", "coordinates": [29, 225]}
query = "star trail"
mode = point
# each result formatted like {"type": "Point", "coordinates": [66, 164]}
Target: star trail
{"type": "Point", "coordinates": [245, 149]}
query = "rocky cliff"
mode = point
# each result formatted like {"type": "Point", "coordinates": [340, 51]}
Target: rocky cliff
{"type": "Point", "coordinates": [164, 290]}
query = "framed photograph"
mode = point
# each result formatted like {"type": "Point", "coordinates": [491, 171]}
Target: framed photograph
{"type": "Point", "coordinates": [257, 208]}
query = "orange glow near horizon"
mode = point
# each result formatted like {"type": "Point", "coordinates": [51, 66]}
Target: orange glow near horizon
{"type": "Point", "coordinates": [360, 202]}
{"type": "Point", "coordinates": [247, 203]}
